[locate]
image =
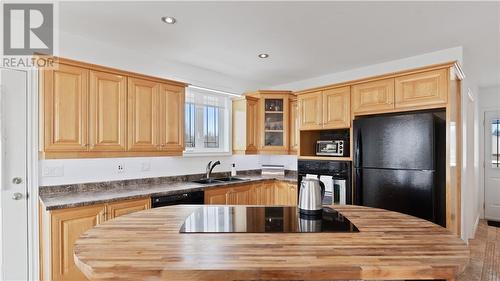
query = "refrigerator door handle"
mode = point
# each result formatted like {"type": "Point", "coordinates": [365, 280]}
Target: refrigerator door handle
{"type": "Point", "coordinates": [357, 187]}
{"type": "Point", "coordinates": [357, 148]}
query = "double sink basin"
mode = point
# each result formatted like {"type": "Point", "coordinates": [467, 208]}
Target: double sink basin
{"type": "Point", "coordinates": [218, 180]}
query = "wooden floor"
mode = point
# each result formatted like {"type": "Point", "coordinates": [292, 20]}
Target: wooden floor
{"type": "Point", "coordinates": [485, 255]}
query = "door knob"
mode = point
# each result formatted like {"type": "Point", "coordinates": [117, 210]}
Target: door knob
{"type": "Point", "coordinates": [17, 196]}
{"type": "Point", "coordinates": [17, 180]}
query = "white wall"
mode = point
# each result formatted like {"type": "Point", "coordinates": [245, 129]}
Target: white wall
{"type": "Point", "coordinates": [442, 56]}
{"type": "Point", "coordinates": [470, 189]}
{"type": "Point", "coordinates": [71, 171]}
{"type": "Point", "coordinates": [75, 47]}
{"type": "Point", "coordinates": [489, 99]}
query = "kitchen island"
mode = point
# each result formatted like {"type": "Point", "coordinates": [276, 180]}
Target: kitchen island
{"type": "Point", "coordinates": [147, 245]}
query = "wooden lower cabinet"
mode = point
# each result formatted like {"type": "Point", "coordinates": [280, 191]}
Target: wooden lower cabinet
{"type": "Point", "coordinates": [239, 195]}
{"type": "Point", "coordinates": [121, 208]}
{"type": "Point", "coordinates": [263, 193]}
{"type": "Point", "coordinates": [65, 226]}
{"type": "Point", "coordinates": [266, 193]}
{"type": "Point", "coordinates": [59, 230]}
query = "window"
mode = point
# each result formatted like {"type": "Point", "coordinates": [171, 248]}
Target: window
{"type": "Point", "coordinates": [495, 143]}
{"type": "Point", "coordinates": [206, 121]}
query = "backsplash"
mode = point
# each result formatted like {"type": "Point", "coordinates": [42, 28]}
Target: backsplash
{"type": "Point", "coordinates": [75, 171]}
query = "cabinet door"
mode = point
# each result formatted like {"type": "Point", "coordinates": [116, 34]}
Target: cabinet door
{"type": "Point", "coordinates": [142, 115]}
{"type": "Point", "coordinates": [121, 208]}
{"type": "Point", "coordinates": [171, 119]}
{"type": "Point", "coordinates": [65, 102]}
{"type": "Point", "coordinates": [310, 111]}
{"type": "Point", "coordinates": [294, 126]}
{"type": "Point", "coordinates": [274, 123]}
{"type": "Point", "coordinates": [281, 193]}
{"type": "Point", "coordinates": [293, 194]}
{"type": "Point", "coordinates": [266, 196]}
{"type": "Point", "coordinates": [216, 196]}
{"type": "Point", "coordinates": [66, 227]}
{"type": "Point", "coordinates": [422, 89]}
{"type": "Point", "coordinates": [239, 195]}
{"type": "Point", "coordinates": [107, 111]}
{"type": "Point", "coordinates": [252, 128]}
{"type": "Point", "coordinates": [337, 108]}
{"type": "Point", "coordinates": [373, 97]}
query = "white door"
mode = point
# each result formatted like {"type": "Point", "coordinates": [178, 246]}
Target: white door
{"type": "Point", "coordinates": [13, 173]}
{"type": "Point", "coordinates": [492, 165]}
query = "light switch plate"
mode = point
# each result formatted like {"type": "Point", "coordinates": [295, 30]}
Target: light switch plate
{"type": "Point", "coordinates": [53, 171]}
{"type": "Point", "coordinates": [146, 166]}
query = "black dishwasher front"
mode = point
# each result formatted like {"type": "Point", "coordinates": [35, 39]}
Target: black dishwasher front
{"type": "Point", "coordinates": [196, 197]}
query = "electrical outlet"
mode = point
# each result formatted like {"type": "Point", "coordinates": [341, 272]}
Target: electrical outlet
{"type": "Point", "coordinates": [120, 168]}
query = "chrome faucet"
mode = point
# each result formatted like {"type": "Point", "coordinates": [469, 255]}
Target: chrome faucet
{"type": "Point", "coordinates": [210, 167]}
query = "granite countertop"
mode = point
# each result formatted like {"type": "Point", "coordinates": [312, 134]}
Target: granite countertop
{"type": "Point", "coordinates": [60, 197]}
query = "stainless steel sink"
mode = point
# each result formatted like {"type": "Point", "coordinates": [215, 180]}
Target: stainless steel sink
{"type": "Point", "coordinates": [218, 180]}
{"type": "Point", "coordinates": [207, 181]}
{"type": "Point", "coordinates": [229, 179]}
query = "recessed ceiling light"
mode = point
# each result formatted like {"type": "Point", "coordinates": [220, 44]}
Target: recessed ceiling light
{"type": "Point", "coordinates": [169, 20]}
{"type": "Point", "coordinates": [263, 56]}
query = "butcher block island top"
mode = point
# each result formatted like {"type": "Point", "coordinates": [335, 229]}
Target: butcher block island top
{"type": "Point", "coordinates": [147, 245]}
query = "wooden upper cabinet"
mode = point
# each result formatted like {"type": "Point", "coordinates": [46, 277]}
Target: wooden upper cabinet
{"type": "Point", "coordinates": [252, 129]}
{"type": "Point", "coordinates": [310, 109]}
{"type": "Point", "coordinates": [143, 115]}
{"type": "Point", "coordinates": [88, 110]}
{"type": "Point", "coordinates": [121, 208]}
{"type": "Point", "coordinates": [66, 226]}
{"type": "Point", "coordinates": [422, 89]}
{"type": "Point", "coordinates": [245, 114]}
{"type": "Point", "coordinates": [171, 118]}
{"type": "Point", "coordinates": [261, 123]}
{"type": "Point", "coordinates": [107, 112]}
{"type": "Point", "coordinates": [274, 122]}
{"type": "Point", "coordinates": [65, 98]}
{"type": "Point", "coordinates": [337, 108]}
{"type": "Point", "coordinates": [294, 126]}
{"type": "Point", "coordinates": [373, 97]}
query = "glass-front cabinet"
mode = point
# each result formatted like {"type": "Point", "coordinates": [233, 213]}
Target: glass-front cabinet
{"type": "Point", "coordinates": [274, 121]}
{"type": "Point", "coordinates": [264, 115]}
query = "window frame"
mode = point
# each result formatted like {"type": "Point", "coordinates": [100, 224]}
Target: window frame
{"type": "Point", "coordinates": [226, 123]}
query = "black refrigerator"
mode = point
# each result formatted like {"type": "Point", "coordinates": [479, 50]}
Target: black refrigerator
{"type": "Point", "coordinates": [399, 163]}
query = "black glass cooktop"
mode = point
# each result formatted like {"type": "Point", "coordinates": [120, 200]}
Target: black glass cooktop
{"type": "Point", "coordinates": [262, 219]}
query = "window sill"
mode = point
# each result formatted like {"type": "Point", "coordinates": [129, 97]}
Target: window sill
{"type": "Point", "coordinates": [206, 153]}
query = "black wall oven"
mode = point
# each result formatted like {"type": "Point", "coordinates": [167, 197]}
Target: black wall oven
{"type": "Point", "coordinates": [336, 175]}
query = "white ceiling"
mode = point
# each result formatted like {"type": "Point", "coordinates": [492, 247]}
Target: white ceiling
{"type": "Point", "coordinates": [304, 39]}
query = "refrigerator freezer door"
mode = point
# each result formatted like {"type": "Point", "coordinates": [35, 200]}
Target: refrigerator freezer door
{"type": "Point", "coordinates": [395, 142]}
{"type": "Point", "coordinates": [405, 191]}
